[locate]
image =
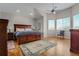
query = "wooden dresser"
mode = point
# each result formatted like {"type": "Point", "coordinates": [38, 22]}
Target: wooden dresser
{"type": "Point", "coordinates": [74, 40]}
{"type": "Point", "coordinates": [3, 37]}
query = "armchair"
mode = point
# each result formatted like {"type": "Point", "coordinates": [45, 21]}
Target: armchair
{"type": "Point", "coordinates": [61, 34]}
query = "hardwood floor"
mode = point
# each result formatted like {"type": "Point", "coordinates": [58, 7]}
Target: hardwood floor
{"type": "Point", "coordinates": [15, 52]}
{"type": "Point", "coordinates": [61, 49]}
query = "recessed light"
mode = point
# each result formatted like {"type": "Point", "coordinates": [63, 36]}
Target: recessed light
{"type": "Point", "coordinates": [31, 13]}
{"type": "Point", "coordinates": [17, 10]}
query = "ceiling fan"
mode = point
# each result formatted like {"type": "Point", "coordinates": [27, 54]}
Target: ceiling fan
{"type": "Point", "coordinates": [53, 11]}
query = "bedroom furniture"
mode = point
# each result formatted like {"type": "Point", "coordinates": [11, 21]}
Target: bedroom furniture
{"type": "Point", "coordinates": [61, 34]}
{"type": "Point", "coordinates": [21, 26]}
{"type": "Point", "coordinates": [3, 37]}
{"type": "Point", "coordinates": [74, 40]}
{"type": "Point", "coordinates": [26, 37]}
{"type": "Point", "coordinates": [10, 36]}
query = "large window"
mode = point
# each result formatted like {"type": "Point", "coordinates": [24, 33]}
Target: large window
{"type": "Point", "coordinates": [76, 21]}
{"type": "Point", "coordinates": [63, 24]}
{"type": "Point", "coordinates": [59, 24]}
{"type": "Point", "coordinates": [51, 24]}
{"type": "Point", "coordinates": [66, 23]}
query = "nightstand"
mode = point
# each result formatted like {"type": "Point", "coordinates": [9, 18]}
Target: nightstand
{"type": "Point", "coordinates": [10, 36]}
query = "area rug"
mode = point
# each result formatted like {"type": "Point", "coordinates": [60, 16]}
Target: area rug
{"type": "Point", "coordinates": [36, 48]}
{"type": "Point", "coordinates": [10, 45]}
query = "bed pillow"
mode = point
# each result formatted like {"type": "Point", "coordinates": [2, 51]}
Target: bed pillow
{"type": "Point", "coordinates": [28, 29]}
{"type": "Point", "coordinates": [20, 29]}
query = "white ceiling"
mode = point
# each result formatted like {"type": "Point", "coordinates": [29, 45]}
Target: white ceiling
{"type": "Point", "coordinates": [27, 8]}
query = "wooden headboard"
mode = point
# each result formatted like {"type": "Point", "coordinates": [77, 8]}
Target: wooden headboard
{"type": "Point", "coordinates": [21, 26]}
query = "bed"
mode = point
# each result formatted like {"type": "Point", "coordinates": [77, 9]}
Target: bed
{"type": "Point", "coordinates": [24, 34]}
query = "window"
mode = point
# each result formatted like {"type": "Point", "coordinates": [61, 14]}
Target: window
{"type": "Point", "coordinates": [51, 24]}
{"type": "Point", "coordinates": [76, 21]}
{"type": "Point", "coordinates": [66, 23]}
{"type": "Point", "coordinates": [63, 24]}
{"type": "Point", "coordinates": [59, 24]}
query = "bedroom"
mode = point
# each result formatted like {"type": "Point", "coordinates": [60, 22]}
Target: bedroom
{"type": "Point", "coordinates": [36, 26]}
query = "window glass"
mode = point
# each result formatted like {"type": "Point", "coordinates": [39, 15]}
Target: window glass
{"type": "Point", "coordinates": [63, 24]}
{"type": "Point", "coordinates": [51, 24]}
{"type": "Point", "coordinates": [76, 21]}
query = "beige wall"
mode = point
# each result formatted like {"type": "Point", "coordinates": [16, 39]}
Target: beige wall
{"type": "Point", "coordinates": [9, 16]}
{"type": "Point", "coordinates": [23, 20]}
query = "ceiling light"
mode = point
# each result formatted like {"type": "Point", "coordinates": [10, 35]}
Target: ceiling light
{"type": "Point", "coordinates": [17, 10]}
{"type": "Point", "coordinates": [31, 13]}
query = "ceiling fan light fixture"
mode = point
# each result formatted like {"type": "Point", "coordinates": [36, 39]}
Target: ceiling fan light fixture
{"type": "Point", "coordinates": [53, 10]}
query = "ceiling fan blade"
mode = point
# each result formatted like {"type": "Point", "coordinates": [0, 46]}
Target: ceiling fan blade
{"type": "Point", "coordinates": [52, 10]}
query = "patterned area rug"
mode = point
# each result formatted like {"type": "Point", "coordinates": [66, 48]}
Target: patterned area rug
{"type": "Point", "coordinates": [36, 48]}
